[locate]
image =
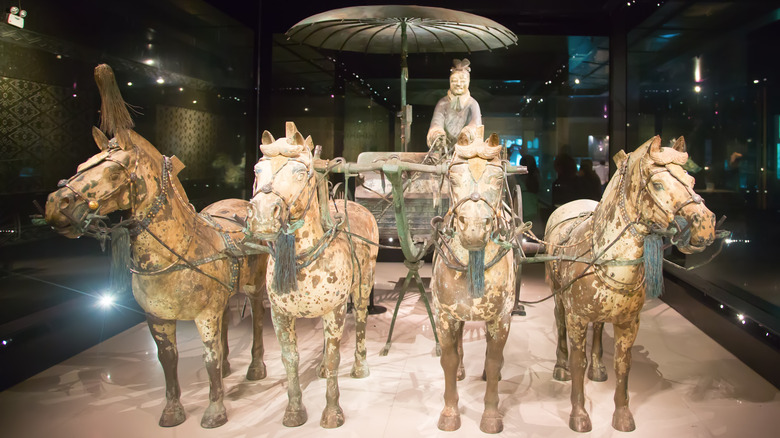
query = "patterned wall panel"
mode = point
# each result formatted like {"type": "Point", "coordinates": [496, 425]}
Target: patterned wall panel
{"type": "Point", "coordinates": [44, 134]}
{"type": "Point", "coordinates": [193, 136]}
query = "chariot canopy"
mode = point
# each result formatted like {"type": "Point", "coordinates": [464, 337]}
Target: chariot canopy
{"type": "Point", "coordinates": [401, 29]}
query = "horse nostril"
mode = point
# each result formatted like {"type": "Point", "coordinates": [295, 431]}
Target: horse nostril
{"type": "Point", "coordinates": [64, 202]}
{"type": "Point", "coordinates": [276, 210]}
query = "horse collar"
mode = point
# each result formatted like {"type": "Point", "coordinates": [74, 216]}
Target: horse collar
{"type": "Point", "coordinates": [143, 224]}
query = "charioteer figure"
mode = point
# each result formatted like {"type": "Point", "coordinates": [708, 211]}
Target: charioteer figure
{"type": "Point", "coordinates": [455, 112]}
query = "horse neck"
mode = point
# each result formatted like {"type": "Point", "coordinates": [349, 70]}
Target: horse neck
{"type": "Point", "coordinates": [610, 225]}
{"type": "Point", "coordinates": [311, 230]}
{"type": "Point", "coordinates": [174, 221]}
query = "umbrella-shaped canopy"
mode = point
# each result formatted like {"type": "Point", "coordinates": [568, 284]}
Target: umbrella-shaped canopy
{"type": "Point", "coordinates": [401, 29]}
{"type": "Point", "coordinates": [381, 29]}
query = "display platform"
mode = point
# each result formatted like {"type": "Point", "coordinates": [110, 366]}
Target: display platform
{"type": "Point", "coordinates": [682, 383]}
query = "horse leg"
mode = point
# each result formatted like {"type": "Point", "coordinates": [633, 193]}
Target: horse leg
{"type": "Point", "coordinates": [215, 414]}
{"type": "Point", "coordinates": [284, 326]}
{"type": "Point", "coordinates": [579, 421]}
{"type": "Point", "coordinates": [597, 372]}
{"type": "Point", "coordinates": [497, 332]}
{"type": "Point", "coordinates": [561, 370]}
{"type": "Point", "coordinates": [164, 335]}
{"type": "Point", "coordinates": [461, 368]}
{"type": "Point", "coordinates": [257, 369]}
{"type": "Point", "coordinates": [225, 346]}
{"type": "Point", "coordinates": [333, 325]}
{"type": "Point", "coordinates": [625, 335]}
{"type": "Point", "coordinates": [360, 367]}
{"type": "Point", "coordinates": [448, 328]}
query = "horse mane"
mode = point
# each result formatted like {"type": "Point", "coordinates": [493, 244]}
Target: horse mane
{"type": "Point", "coordinates": [489, 149]}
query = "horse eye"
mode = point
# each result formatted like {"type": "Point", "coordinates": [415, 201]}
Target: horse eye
{"type": "Point", "coordinates": [658, 186]}
{"type": "Point", "coordinates": [300, 175]}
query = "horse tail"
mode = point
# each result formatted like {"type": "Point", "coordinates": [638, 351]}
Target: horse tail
{"type": "Point", "coordinates": [653, 256]}
{"type": "Point", "coordinates": [285, 264]}
{"type": "Point", "coordinates": [114, 114]}
{"type": "Point", "coordinates": [476, 274]}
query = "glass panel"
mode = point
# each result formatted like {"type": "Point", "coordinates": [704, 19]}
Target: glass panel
{"type": "Point", "coordinates": [707, 71]}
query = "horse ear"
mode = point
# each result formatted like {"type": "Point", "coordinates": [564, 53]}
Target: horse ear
{"type": "Point", "coordinates": [655, 144]}
{"type": "Point", "coordinates": [297, 139]}
{"type": "Point", "coordinates": [176, 165]}
{"type": "Point", "coordinates": [125, 139]}
{"type": "Point", "coordinates": [290, 130]}
{"type": "Point", "coordinates": [679, 144]}
{"type": "Point", "coordinates": [100, 139]}
{"type": "Point", "coordinates": [494, 140]}
{"type": "Point", "coordinates": [267, 138]}
{"type": "Point", "coordinates": [619, 158]}
{"type": "Point", "coordinates": [309, 143]}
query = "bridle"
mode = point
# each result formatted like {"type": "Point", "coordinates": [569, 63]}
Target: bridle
{"type": "Point", "coordinates": [288, 224]}
{"type": "Point", "coordinates": [445, 230]}
{"type": "Point", "coordinates": [85, 224]}
{"type": "Point", "coordinates": [693, 198]}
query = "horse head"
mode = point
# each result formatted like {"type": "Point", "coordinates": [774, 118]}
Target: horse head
{"type": "Point", "coordinates": [284, 186]}
{"type": "Point", "coordinates": [476, 180]}
{"type": "Point", "coordinates": [666, 194]}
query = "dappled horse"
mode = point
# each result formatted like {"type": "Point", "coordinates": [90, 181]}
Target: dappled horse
{"type": "Point", "coordinates": [610, 256]}
{"type": "Point", "coordinates": [320, 256]}
{"type": "Point", "coordinates": [185, 265]}
{"type": "Point", "coordinates": [473, 276]}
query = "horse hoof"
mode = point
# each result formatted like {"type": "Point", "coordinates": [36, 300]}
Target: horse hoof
{"type": "Point", "coordinates": [622, 420]}
{"type": "Point", "coordinates": [580, 423]}
{"type": "Point", "coordinates": [360, 371]}
{"type": "Point", "coordinates": [561, 374]}
{"type": "Point", "coordinates": [256, 372]}
{"type": "Point", "coordinates": [332, 418]}
{"type": "Point", "coordinates": [172, 415]}
{"type": "Point", "coordinates": [215, 416]}
{"type": "Point", "coordinates": [225, 369]}
{"type": "Point", "coordinates": [491, 424]}
{"type": "Point", "coordinates": [461, 373]}
{"type": "Point", "coordinates": [449, 420]}
{"type": "Point", "coordinates": [597, 374]}
{"type": "Point", "coordinates": [294, 418]}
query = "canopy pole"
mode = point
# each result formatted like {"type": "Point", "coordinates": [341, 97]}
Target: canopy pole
{"type": "Point", "coordinates": [406, 110]}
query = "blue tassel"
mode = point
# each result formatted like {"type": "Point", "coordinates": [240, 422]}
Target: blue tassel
{"type": "Point", "coordinates": [120, 275]}
{"type": "Point", "coordinates": [476, 274]}
{"type": "Point", "coordinates": [654, 278]}
{"type": "Point", "coordinates": [285, 267]}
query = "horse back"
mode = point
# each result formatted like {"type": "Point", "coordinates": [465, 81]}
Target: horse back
{"type": "Point", "coordinates": [361, 222]}
{"type": "Point", "coordinates": [561, 220]}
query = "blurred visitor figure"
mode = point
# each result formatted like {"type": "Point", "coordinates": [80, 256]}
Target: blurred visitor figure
{"type": "Point", "coordinates": [732, 171]}
{"type": "Point", "coordinates": [528, 184]}
{"type": "Point", "coordinates": [455, 112]}
{"type": "Point", "coordinates": [565, 186]}
{"type": "Point", "coordinates": [590, 183]}
{"type": "Point", "coordinates": [602, 170]}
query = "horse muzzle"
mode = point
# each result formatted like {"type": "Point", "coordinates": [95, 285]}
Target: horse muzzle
{"type": "Point", "coordinates": [701, 222]}
{"type": "Point", "coordinates": [264, 219]}
{"type": "Point", "coordinates": [473, 232]}
{"type": "Point", "coordinates": [66, 214]}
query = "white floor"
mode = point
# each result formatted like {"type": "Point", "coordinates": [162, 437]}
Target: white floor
{"type": "Point", "coordinates": [682, 383]}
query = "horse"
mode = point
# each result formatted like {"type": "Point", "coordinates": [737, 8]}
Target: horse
{"type": "Point", "coordinates": [465, 287]}
{"type": "Point", "coordinates": [185, 265]}
{"type": "Point", "coordinates": [315, 265]}
{"type": "Point", "coordinates": [607, 258]}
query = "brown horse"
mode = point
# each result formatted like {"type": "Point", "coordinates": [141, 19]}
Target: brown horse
{"type": "Point", "coordinates": [315, 265]}
{"type": "Point", "coordinates": [465, 287]}
{"type": "Point", "coordinates": [185, 265]}
{"type": "Point", "coordinates": [610, 257]}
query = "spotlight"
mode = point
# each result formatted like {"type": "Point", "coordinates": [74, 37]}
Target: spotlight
{"type": "Point", "coordinates": [15, 17]}
{"type": "Point", "coordinates": [106, 300]}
